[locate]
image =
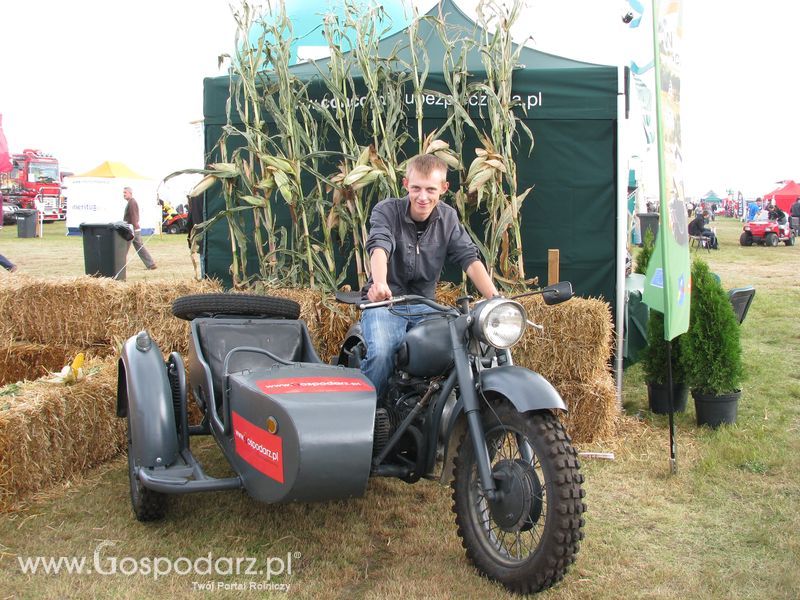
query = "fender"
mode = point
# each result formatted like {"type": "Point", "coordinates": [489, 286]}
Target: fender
{"type": "Point", "coordinates": [525, 389]}
{"type": "Point", "coordinates": [144, 395]}
{"type": "Point", "coordinates": [351, 340]}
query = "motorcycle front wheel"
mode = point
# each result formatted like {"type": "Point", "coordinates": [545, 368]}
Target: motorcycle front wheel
{"type": "Point", "coordinates": [528, 537]}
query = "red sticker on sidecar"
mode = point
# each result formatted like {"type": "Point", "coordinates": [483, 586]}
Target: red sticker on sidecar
{"type": "Point", "coordinates": [260, 449]}
{"type": "Point", "coordinates": [314, 385]}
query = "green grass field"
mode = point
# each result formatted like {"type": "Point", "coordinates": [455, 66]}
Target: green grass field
{"type": "Point", "coordinates": [725, 526]}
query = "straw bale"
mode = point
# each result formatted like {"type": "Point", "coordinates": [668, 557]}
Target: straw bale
{"type": "Point", "coordinates": [90, 312]}
{"type": "Point", "coordinates": [148, 305]}
{"type": "Point", "coordinates": [63, 312]}
{"type": "Point", "coordinates": [23, 361]}
{"type": "Point", "coordinates": [51, 432]}
{"type": "Point", "coordinates": [576, 343]}
{"type": "Point", "coordinates": [593, 411]}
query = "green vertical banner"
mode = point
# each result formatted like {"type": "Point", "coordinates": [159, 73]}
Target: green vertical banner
{"type": "Point", "coordinates": [668, 279]}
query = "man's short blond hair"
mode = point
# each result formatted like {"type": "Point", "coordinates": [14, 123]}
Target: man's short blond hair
{"type": "Point", "coordinates": [425, 164]}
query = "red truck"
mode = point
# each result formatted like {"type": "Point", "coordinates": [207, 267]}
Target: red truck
{"type": "Point", "coordinates": [35, 176]}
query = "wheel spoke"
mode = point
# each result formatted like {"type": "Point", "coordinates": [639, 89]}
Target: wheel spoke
{"type": "Point", "coordinates": [503, 547]}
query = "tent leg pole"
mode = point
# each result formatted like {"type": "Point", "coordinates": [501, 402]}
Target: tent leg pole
{"type": "Point", "coordinates": [622, 231]}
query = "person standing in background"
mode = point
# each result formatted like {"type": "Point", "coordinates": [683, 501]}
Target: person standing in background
{"type": "Point", "coordinates": [132, 217]}
{"type": "Point", "coordinates": [794, 213]}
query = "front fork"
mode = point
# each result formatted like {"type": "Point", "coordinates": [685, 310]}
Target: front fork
{"type": "Point", "coordinates": [469, 396]}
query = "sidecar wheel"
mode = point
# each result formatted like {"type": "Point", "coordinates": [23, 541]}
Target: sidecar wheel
{"type": "Point", "coordinates": [147, 504]}
{"type": "Point", "coordinates": [528, 539]}
{"type": "Point", "coordinates": [211, 305]}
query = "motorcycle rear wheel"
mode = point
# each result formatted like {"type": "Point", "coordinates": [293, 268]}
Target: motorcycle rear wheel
{"type": "Point", "coordinates": [529, 538]}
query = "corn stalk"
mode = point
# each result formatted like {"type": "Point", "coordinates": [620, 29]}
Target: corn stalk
{"type": "Point", "coordinates": [279, 142]}
{"type": "Point", "coordinates": [258, 184]}
{"type": "Point", "coordinates": [286, 100]}
{"type": "Point", "coordinates": [364, 172]}
{"type": "Point", "coordinates": [457, 46]}
{"type": "Point", "coordinates": [498, 182]}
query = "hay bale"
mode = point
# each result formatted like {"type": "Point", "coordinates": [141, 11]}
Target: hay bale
{"type": "Point", "coordinates": [66, 312]}
{"type": "Point", "coordinates": [90, 312]}
{"type": "Point", "coordinates": [22, 361]}
{"type": "Point", "coordinates": [576, 343]}
{"type": "Point", "coordinates": [593, 410]}
{"type": "Point", "coordinates": [148, 305]}
{"type": "Point", "coordinates": [51, 432]}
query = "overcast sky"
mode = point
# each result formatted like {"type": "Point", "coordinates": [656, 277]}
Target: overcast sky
{"type": "Point", "coordinates": [103, 80]}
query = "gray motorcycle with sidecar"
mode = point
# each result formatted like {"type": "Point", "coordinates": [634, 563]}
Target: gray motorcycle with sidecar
{"type": "Point", "coordinates": [296, 429]}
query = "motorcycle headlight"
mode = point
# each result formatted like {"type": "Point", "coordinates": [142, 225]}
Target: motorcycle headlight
{"type": "Point", "coordinates": [499, 322]}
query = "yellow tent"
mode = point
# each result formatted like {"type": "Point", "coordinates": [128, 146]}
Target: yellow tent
{"type": "Point", "coordinates": [112, 169]}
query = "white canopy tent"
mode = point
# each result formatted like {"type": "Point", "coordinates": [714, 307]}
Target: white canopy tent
{"type": "Point", "coordinates": [96, 197]}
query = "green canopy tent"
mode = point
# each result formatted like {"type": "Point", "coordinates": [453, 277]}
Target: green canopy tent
{"type": "Point", "coordinates": [711, 198]}
{"type": "Point", "coordinates": [577, 205]}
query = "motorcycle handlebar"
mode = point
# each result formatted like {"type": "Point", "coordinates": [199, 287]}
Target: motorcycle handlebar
{"type": "Point", "coordinates": [409, 299]}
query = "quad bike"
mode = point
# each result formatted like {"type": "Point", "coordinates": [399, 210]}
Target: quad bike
{"type": "Point", "coordinates": [296, 429]}
{"type": "Point", "coordinates": [768, 233]}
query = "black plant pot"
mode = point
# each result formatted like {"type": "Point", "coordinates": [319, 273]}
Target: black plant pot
{"type": "Point", "coordinates": [658, 397]}
{"type": "Point", "coordinates": [713, 410]}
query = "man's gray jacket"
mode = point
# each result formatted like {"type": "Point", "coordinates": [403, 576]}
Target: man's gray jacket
{"type": "Point", "coordinates": [415, 265]}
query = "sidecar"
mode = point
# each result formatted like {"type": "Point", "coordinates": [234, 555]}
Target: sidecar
{"type": "Point", "coordinates": [291, 427]}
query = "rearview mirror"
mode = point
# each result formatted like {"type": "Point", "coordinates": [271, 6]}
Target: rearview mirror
{"type": "Point", "coordinates": [557, 293]}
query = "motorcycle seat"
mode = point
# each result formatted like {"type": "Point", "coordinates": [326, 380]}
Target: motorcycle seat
{"type": "Point", "coordinates": [215, 338]}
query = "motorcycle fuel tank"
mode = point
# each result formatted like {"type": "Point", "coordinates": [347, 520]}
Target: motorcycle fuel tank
{"type": "Point", "coordinates": [426, 350]}
{"type": "Point", "coordinates": [302, 432]}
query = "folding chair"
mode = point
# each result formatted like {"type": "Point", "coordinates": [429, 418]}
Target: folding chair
{"type": "Point", "coordinates": [700, 241]}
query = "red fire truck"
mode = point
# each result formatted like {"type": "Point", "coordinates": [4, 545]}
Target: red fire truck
{"type": "Point", "coordinates": [35, 180]}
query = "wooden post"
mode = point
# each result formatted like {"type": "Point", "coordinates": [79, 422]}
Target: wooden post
{"type": "Point", "coordinates": [552, 267]}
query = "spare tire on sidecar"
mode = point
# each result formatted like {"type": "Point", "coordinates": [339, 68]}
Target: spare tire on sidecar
{"type": "Point", "coordinates": [291, 427]}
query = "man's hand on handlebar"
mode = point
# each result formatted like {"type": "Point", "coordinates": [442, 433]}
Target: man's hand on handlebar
{"type": "Point", "coordinates": [378, 292]}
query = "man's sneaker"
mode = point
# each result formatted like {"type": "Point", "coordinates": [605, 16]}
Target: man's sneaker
{"type": "Point", "coordinates": [13, 269]}
{"type": "Point", "coordinates": [152, 268]}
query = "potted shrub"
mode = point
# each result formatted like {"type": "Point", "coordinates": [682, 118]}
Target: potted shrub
{"type": "Point", "coordinates": [654, 356]}
{"type": "Point", "coordinates": [654, 364]}
{"type": "Point", "coordinates": [711, 351]}
{"type": "Point", "coordinates": [648, 246]}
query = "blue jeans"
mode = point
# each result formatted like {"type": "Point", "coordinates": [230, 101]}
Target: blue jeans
{"type": "Point", "coordinates": [383, 333]}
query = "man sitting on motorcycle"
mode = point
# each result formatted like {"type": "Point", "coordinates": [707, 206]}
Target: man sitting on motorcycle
{"type": "Point", "coordinates": [408, 242]}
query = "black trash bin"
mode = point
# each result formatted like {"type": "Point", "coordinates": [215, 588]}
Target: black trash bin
{"type": "Point", "coordinates": [105, 246]}
{"type": "Point", "coordinates": [26, 223]}
{"type": "Point", "coordinates": [648, 221]}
